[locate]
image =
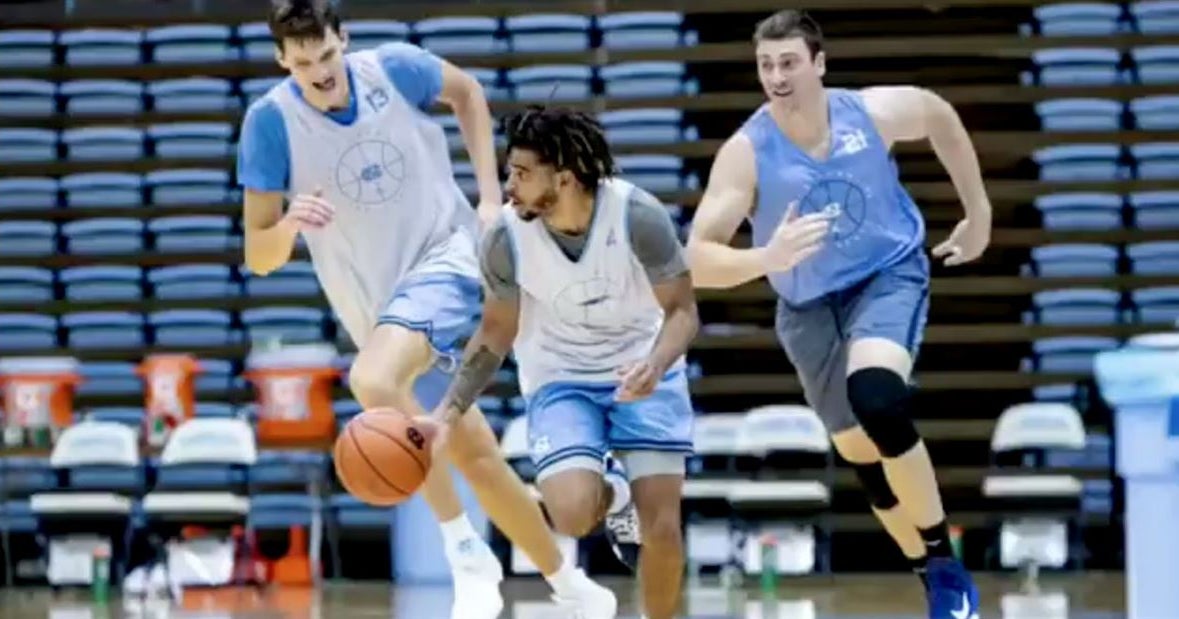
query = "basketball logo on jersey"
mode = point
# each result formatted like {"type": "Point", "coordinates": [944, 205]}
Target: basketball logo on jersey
{"type": "Point", "coordinates": [590, 303]}
{"type": "Point", "coordinates": [371, 172]}
{"type": "Point", "coordinates": [844, 202]}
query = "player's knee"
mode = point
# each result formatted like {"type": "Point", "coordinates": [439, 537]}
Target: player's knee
{"type": "Point", "coordinates": [661, 528]}
{"type": "Point", "coordinates": [879, 398]}
{"type": "Point", "coordinates": [573, 501]}
{"type": "Point", "coordinates": [875, 485]}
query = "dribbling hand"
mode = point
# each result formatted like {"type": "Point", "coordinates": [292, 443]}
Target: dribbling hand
{"type": "Point", "coordinates": [795, 239]}
{"type": "Point", "coordinates": [637, 381]}
{"type": "Point", "coordinates": [309, 211]}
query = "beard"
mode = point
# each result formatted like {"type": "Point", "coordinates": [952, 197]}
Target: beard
{"type": "Point", "coordinates": [543, 205]}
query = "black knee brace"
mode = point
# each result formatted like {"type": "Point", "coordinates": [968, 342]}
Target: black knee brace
{"type": "Point", "coordinates": [876, 485]}
{"type": "Point", "coordinates": [880, 400]}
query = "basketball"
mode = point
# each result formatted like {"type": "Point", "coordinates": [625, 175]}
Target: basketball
{"type": "Point", "coordinates": [382, 456]}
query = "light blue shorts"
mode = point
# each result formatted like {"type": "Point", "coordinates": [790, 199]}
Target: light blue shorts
{"type": "Point", "coordinates": [446, 308]}
{"type": "Point", "coordinates": [574, 425]}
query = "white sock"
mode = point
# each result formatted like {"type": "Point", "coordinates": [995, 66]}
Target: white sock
{"type": "Point", "coordinates": [456, 531]}
{"type": "Point", "coordinates": [621, 493]}
{"type": "Point", "coordinates": [566, 579]}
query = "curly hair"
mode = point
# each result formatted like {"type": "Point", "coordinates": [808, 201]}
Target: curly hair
{"type": "Point", "coordinates": [563, 138]}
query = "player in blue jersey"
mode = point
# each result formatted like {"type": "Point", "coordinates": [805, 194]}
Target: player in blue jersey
{"type": "Point", "coordinates": [841, 242]}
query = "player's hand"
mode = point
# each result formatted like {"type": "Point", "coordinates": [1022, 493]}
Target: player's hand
{"type": "Point", "coordinates": [966, 243]}
{"type": "Point", "coordinates": [637, 381]}
{"type": "Point", "coordinates": [795, 239]}
{"type": "Point", "coordinates": [309, 211]}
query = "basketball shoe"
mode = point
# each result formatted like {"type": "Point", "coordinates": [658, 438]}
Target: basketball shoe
{"type": "Point", "coordinates": [579, 597]}
{"type": "Point", "coordinates": [622, 523]}
{"type": "Point", "coordinates": [952, 594]}
{"type": "Point", "coordinates": [477, 574]}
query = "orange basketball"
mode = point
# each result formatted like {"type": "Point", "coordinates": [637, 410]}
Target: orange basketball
{"type": "Point", "coordinates": [382, 456]}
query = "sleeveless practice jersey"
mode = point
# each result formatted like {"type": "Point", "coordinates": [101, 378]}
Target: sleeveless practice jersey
{"type": "Point", "coordinates": [875, 221]}
{"type": "Point", "coordinates": [399, 212]}
{"type": "Point", "coordinates": [580, 320]}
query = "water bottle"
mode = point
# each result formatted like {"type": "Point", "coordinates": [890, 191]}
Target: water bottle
{"type": "Point", "coordinates": [956, 541]}
{"type": "Point", "coordinates": [100, 575]}
{"type": "Point", "coordinates": [769, 565]}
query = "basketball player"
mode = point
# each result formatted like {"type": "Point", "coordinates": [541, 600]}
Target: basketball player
{"type": "Point", "coordinates": [841, 242]}
{"type": "Point", "coordinates": [587, 283]}
{"type": "Point", "coordinates": [368, 180]}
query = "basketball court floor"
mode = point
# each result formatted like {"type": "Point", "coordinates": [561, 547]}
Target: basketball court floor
{"type": "Point", "coordinates": [1085, 596]}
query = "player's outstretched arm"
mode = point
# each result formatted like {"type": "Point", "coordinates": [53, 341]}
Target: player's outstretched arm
{"type": "Point", "coordinates": [910, 113]}
{"type": "Point", "coordinates": [464, 94]}
{"type": "Point", "coordinates": [493, 339]}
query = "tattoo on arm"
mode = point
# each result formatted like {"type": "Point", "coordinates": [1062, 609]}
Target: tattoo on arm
{"type": "Point", "coordinates": [473, 377]}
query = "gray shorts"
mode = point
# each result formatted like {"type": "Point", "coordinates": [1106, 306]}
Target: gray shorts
{"type": "Point", "coordinates": [892, 304]}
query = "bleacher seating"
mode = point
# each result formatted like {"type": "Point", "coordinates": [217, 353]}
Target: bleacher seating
{"type": "Point", "coordinates": [119, 233]}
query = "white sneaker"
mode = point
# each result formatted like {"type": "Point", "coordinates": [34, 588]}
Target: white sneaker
{"type": "Point", "coordinates": [477, 574]}
{"type": "Point", "coordinates": [588, 600]}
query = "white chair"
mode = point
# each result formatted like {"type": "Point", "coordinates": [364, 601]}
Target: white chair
{"type": "Point", "coordinates": [1037, 505]}
{"type": "Point", "coordinates": [100, 477]}
{"type": "Point", "coordinates": [712, 471]}
{"type": "Point", "coordinates": [790, 500]}
{"type": "Point", "coordinates": [202, 480]}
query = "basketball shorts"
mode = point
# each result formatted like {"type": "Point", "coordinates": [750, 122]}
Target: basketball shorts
{"type": "Point", "coordinates": [892, 304]}
{"type": "Point", "coordinates": [573, 426]}
{"type": "Point", "coordinates": [446, 308]}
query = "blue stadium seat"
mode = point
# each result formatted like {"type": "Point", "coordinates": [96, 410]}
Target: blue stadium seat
{"type": "Point", "coordinates": [1080, 211]}
{"type": "Point", "coordinates": [181, 140]}
{"type": "Point", "coordinates": [104, 330]}
{"type": "Point", "coordinates": [193, 281]}
{"type": "Point", "coordinates": [493, 84]}
{"type": "Point", "coordinates": [1154, 210]}
{"type": "Point", "coordinates": [104, 143]}
{"type": "Point", "coordinates": [103, 189]}
{"type": "Point", "coordinates": [1080, 162]}
{"type": "Point", "coordinates": [1060, 392]}
{"type": "Point", "coordinates": [1080, 114]}
{"type": "Point", "coordinates": [647, 79]}
{"type": "Point", "coordinates": [27, 238]}
{"type": "Point", "coordinates": [294, 279]}
{"type": "Point", "coordinates": [551, 82]}
{"type": "Point", "coordinates": [460, 35]}
{"type": "Point", "coordinates": [27, 332]}
{"type": "Point", "coordinates": [192, 328]}
{"type": "Point", "coordinates": [280, 511]}
{"type": "Point", "coordinates": [287, 468]}
{"type": "Point", "coordinates": [28, 98]}
{"type": "Point", "coordinates": [258, 45]}
{"type": "Point", "coordinates": [103, 236]}
{"type": "Point", "coordinates": [193, 94]}
{"type": "Point", "coordinates": [102, 47]}
{"type": "Point", "coordinates": [369, 33]}
{"type": "Point", "coordinates": [548, 32]}
{"type": "Point", "coordinates": [254, 88]}
{"type": "Point", "coordinates": [223, 410]}
{"type": "Point", "coordinates": [28, 145]}
{"type": "Point", "coordinates": [1156, 160]}
{"type": "Point", "coordinates": [103, 97]}
{"type": "Point", "coordinates": [1078, 67]}
{"type": "Point", "coordinates": [109, 378]}
{"type": "Point", "coordinates": [26, 475]}
{"type": "Point", "coordinates": [126, 415]}
{"type": "Point", "coordinates": [193, 233]}
{"type": "Point", "coordinates": [464, 176]}
{"type": "Point", "coordinates": [1159, 112]}
{"type": "Point", "coordinates": [346, 409]}
{"type": "Point", "coordinates": [188, 186]}
{"type": "Point", "coordinates": [646, 126]}
{"type": "Point", "coordinates": [289, 324]}
{"type": "Point", "coordinates": [1070, 354]}
{"type": "Point", "coordinates": [216, 375]}
{"type": "Point", "coordinates": [1154, 258]}
{"type": "Point", "coordinates": [1075, 306]}
{"type": "Point", "coordinates": [192, 44]}
{"type": "Point", "coordinates": [1157, 305]}
{"type": "Point", "coordinates": [1075, 260]}
{"type": "Point", "coordinates": [1157, 64]}
{"type": "Point", "coordinates": [644, 30]}
{"type": "Point", "coordinates": [655, 173]}
{"type": "Point", "coordinates": [1079, 19]}
{"type": "Point", "coordinates": [26, 48]}
{"type": "Point", "coordinates": [103, 283]}
{"type": "Point", "coordinates": [1156, 16]}
{"type": "Point", "coordinates": [25, 285]}
{"type": "Point", "coordinates": [28, 192]}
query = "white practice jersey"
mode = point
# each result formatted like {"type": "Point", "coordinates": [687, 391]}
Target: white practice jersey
{"type": "Point", "coordinates": [399, 212]}
{"type": "Point", "coordinates": [580, 320]}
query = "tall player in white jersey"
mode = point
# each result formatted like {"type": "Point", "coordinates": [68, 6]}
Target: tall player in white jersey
{"type": "Point", "coordinates": [367, 178]}
{"type": "Point", "coordinates": [587, 284]}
